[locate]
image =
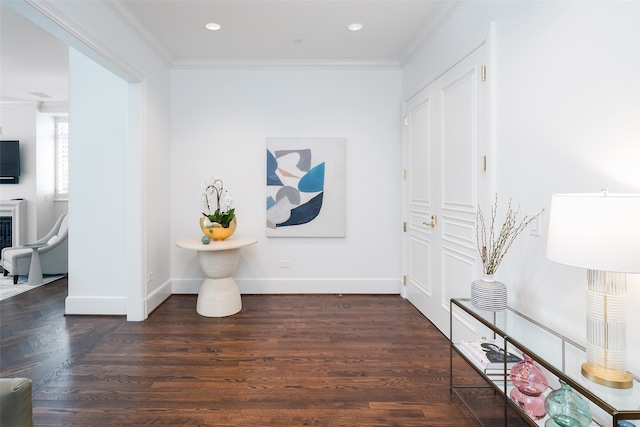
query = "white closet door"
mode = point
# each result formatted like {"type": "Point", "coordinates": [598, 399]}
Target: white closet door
{"type": "Point", "coordinates": [445, 144]}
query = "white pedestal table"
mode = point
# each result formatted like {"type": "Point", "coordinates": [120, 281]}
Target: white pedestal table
{"type": "Point", "coordinates": [35, 270]}
{"type": "Point", "coordinates": [219, 295]}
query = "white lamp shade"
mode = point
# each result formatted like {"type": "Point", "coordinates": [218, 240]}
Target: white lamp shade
{"type": "Point", "coordinates": [595, 231]}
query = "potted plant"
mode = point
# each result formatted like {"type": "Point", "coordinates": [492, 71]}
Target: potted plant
{"type": "Point", "coordinates": [221, 223]}
{"type": "Point", "coordinates": [493, 245]}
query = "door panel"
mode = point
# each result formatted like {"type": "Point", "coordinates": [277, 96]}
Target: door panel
{"type": "Point", "coordinates": [419, 208]}
{"type": "Point", "coordinates": [458, 141]}
{"type": "Point", "coordinates": [419, 183]}
{"type": "Point", "coordinates": [419, 273]}
{"type": "Point", "coordinates": [445, 140]}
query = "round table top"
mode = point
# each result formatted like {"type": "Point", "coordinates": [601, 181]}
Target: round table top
{"type": "Point", "coordinates": [215, 245]}
{"type": "Point", "coordinates": [34, 245]}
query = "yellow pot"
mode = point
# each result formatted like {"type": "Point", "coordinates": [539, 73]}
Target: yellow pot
{"type": "Point", "coordinates": [217, 231]}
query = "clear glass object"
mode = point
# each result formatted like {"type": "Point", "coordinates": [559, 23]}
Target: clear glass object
{"type": "Point", "coordinates": [530, 382]}
{"type": "Point", "coordinates": [566, 408]}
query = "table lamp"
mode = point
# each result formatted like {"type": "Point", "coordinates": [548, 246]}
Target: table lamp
{"type": "Point", "coordinates": [600, 232]}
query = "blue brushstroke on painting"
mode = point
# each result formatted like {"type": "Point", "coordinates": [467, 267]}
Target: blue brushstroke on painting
{"type": "Point", "coordinates": [304, 213]}
{"type": "Point", "coordinates": [272, 166]}
{"type": "Point", "coordinates": [312, 181]}
{"type": "Point", "coordinates": [270, 202]}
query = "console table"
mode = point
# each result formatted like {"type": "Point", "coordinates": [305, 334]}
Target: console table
{"type": "Point", "coordinates": [219, 295]}
{"type": "Point", "coordinates": [557, 355]}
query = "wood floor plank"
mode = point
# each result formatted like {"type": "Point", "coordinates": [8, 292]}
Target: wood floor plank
{"type": "Point", "coordinates": [284, 360]}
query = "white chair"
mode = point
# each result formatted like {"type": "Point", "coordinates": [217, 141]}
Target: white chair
{"type": "Point", "coordinates": [54, 258]}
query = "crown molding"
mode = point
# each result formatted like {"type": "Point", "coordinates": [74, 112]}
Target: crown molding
{"type": "Point", "coordinates": [285, 64]}
{"type": "Point", "coordinates": [76, 37]}
{"type": "Point", "coordinates": [19, 102]}
{"type": "Point", "coordinates": [445, 10]}
{"type": "Point", "coordinates": [122, 11]}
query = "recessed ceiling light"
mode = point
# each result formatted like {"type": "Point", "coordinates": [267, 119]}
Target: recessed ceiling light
{"type": "Point", "coordinates": [356, 26]}
{"type": "Point", "coordinates": [212, 26]}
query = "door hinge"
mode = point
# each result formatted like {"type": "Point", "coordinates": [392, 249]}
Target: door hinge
{"type": "Point", "coordinates": [484, 73]}
{"type": "Point", "coordinates": [404, 174]}
{"type": "Point", "coordinates": [404, 280]}
{"type": "Point", "coordinates": [404, 226]}
{"type": "Point", "coordinates": [405, 121]}
{"type": "Point", "coordinates": [484, 163]}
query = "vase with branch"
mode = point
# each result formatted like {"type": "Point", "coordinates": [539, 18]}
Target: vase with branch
{"type": "Point", "coordinates": [493, 245]}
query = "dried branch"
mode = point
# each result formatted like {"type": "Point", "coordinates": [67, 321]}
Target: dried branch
{"type": "Point", "coordinates": [498, 245]}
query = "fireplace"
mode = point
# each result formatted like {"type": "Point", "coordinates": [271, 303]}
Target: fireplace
{"type": "Point", "coordinates": [6, 234]}
{"type": "Point", "coordinates": [13, 222]}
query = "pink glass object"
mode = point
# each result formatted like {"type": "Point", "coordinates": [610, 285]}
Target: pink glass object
{"type": "Point", "coordinates": [533, 406]}
{"type": "Point", "coordinates": [530, 382]}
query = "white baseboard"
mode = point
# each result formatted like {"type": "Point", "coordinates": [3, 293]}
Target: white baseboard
{"type": "Point", "coordinates": [117, 306]}
{"type": "Point", "coordinates": [158, 296]}
{"type": "Point", "coordinates": [300, 286]}
{"type": "Point", "coordinates": [113, 306]}
{"type": "Point", "coordinates": [105, 306]}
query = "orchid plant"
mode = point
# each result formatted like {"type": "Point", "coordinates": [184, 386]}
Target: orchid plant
{"type": "Point", "coordinates": [223, 213]}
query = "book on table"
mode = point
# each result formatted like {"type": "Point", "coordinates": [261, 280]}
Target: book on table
{"type": "Point", "coordinates": [490, 355]}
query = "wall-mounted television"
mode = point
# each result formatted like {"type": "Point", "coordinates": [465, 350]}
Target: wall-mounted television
{"type": "Point", "coordinates": [9, 162]}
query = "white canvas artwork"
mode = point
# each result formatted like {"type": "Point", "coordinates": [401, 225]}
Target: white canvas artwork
{"type": "Point", "coordinates": [306, 190]}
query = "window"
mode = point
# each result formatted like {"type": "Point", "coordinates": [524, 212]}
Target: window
{"type": "Point", "coordinates": [62, 158]}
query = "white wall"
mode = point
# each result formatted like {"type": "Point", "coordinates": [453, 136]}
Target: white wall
{"type": "Point", "coordinates": [35, 130]}
{"type": "Point", "coordinates": [49, 209]}
{"type": "Point", "coordinates": [98, 31]}
{"type": "Point", "coordinates": [46, 168]}
{"type": "Point", "coordinates": [156, 148]}
{"type": "Point", "coordinates": [18, 121]}
{"type": "Point", "coordinates": [97, 188]}
{"type": "Point", "coordinates": [220, 122]}
{"type": "Point", "coordinates": [567, 119]}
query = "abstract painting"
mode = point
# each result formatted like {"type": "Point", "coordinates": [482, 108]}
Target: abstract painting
{"type": "Point", "coordinates": [306, 191]}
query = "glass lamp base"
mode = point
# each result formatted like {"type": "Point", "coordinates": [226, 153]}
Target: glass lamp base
{"type": "Point", "coordinates": [607, 377]}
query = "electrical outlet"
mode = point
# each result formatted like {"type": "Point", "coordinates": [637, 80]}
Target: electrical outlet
{"type": "Point", "coordinates": [285, 264]}
{"type": "Point", "coordinates": [149, 277]}
{"type": "Point", "coordinates": [534, 227]}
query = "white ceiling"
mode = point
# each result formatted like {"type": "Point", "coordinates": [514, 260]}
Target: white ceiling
{"type": "Point", "coordinates": [31, 60]}
{"type": "Point", "coordinates": [252, 31]}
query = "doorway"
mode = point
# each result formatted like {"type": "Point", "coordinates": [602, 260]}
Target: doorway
{"type": "Point", "coordinates": [446, 149]}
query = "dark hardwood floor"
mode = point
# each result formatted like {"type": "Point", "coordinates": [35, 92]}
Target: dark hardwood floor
{"type": "Point", "coordinates": [284, 360]}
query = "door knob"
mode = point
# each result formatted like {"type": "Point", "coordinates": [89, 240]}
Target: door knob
{"type": "Point", "coordinates": [431, 224]}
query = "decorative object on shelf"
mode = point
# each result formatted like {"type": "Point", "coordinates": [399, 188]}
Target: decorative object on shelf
{"type": "Point", "coordinates": [566, 408]}
{"type": "Point", "coordinates": [486, 293]}
{"type": "Point", "coordinates": [205, 240]}
{"type": "Point", "coordinates": [489, 354]}
{"type": "Point", "coordinates": [220, 224]}
{"type": "Point", "coordinates": [530, 382]}
{"type": "Point", "coordinates": [600, 232]}
{"type": "Point", "coordinates": [489, 294]}
{"type": "Point", "coordinates": [512, 327]}
{"type": "Point", "coordinates": [216, 231]}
